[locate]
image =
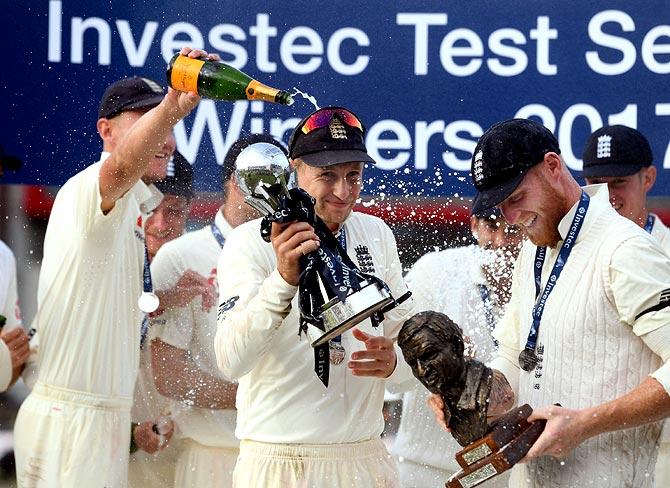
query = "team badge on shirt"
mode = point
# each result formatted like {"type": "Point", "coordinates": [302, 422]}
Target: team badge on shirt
{"type": "Point", "coordinates": [364, 259]}
{"type": "Point", "coordinates": [227, 305]}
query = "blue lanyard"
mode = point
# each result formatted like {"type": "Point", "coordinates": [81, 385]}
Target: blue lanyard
{"type": "Point", "coordinates": [560, 263]}
{"type": "Point", "coordinates": [342, 239]}
{"type": "Point", "coordinates": [147, 286]}
{"type": "Point", "coordinates": [146, 275]}
{"type": "Point", "coordinates": [218, 235]}
{"type": "Point", "coordinates": [650, 223]}
{"type": "Point", "coordinates": [488, 306]}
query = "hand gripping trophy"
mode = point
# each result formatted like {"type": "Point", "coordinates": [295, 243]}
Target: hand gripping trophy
{"type": "Point", "coordinates": [432, 345]}
{"type": "Point", "coordinates": [334, 295]}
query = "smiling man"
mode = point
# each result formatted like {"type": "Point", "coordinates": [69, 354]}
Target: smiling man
{"type": "Point", "coordinates": [621, 158]}
{"type": "Point", "coordinates": [74, 428]}
{"type": "Point", "coordinates": [294, 431]}
{"type": "Point", "coordinates": [588, 322]}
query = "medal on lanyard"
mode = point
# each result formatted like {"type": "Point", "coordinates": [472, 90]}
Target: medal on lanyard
{"type": "Point", "coordinates": [148, 301]}
{"type": "Point", "coordinates": [528, 359]}
{"type": "Point", "coordinates": [649, 225]}
{"type": "Point", "coordinates": [337, 353]}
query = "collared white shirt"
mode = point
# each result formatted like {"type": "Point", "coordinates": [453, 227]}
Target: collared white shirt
{"type": "Point", "coordinates": [9, 308]}
{"type": "Point", "coordinates": [280, 399]}
{"type": "Point", "coordinates": [91, 277]}
{"type": "Point", "coordinates": [192, 329]}
{"type": "Point", "coordinates": [661, 233]}
{"type": "Point", "coordinates": [594, 338]}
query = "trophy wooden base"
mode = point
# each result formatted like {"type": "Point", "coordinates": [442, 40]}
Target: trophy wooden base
{"type": "Point", "coordinates": [506, 443]}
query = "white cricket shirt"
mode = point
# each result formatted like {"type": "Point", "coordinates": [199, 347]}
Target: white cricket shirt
{"type": "Point", "coordinates": [280, 399]}
{"type": "Point", "coordinates": [91, 278]}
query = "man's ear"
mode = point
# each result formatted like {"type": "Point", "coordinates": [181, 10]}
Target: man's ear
{"type": "Point", "coordinates": [649, 178]}
{"type": "Point", "coordinates": [553, 163]}
{"type": "Point", "coordinates": [104, 127]}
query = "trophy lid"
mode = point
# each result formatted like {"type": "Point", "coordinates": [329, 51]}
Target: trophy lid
{"type": "Point", "coordinates": [261, 164]}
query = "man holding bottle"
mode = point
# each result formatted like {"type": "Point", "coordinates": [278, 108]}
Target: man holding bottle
{"type": "Point", "coordinates": [74, 428]}
{"type": "Point", "coordinates": [295, 431]}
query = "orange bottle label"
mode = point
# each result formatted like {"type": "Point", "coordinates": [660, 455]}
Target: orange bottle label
{"type": "Point", "coordinates": [185, 73]}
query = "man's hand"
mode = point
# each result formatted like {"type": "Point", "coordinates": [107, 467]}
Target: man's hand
{"type": "Point", "coordinates": [565, 430]}
{"type": "Point", "coordinates": [501, 397]}
{"type": "Point", "coordinates": [147, 437]}
{"type": "Point", "coordinates": [180, 103]}
{"type": "Point", "coordinates": [189, 286]}
{"type": "Point", "coordinates": [291, 242]}
{"type": "Point", "coordinates": [377, 360]}
{"type": "Point", "coordinates": [437, 406]}
{"type": "Point", "coordinates": [18, 345]}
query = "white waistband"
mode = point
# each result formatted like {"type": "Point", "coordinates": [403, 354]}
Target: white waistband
{"type": "Point", "coordinates": [83, 398]}
{"type": "Point", "coordinates": [355, 450]}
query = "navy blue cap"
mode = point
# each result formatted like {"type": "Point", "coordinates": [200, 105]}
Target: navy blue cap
{"type": "Point", "coordinates": [130, 94]}
{"type": "Point", "coordinates": [503, 156]}
{"type": "Point", "coordinates": [179, 178]}
{"type": "Point", "coordinates": [616, 150]}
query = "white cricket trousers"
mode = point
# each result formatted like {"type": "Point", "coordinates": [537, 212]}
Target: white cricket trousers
{"type": "Point", "coordinates": [200, 466]}
{"type": "Point", "coordinates": [67, 438]}
{"type": "Point", "coordinates": [153, 470]}
{"type": "Point", "coordinates": [364, 464]}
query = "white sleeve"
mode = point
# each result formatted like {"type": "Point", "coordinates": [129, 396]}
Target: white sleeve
{"type": "Point", "coordinates": [254, 301]}
{"type": "Point", "coordinates": [173, 326]}
{"type": "Point", "coordinates": [639, 275]}
{"type": "Point", "coordinates": [402, 378]}
{"type": "Point", "coordinates": [83, 193]}
{"type": "Point", "coordinates": [30, 370]}
{"type": "Point", "coordinates": [639, 279]}
{"type": "Point", "coordinates": [392, 275]}
{"type": "Point", "coordinates": [5, 367]}
{"type": "Point", "coordinates": [658, 341]}
{"type": "Point", "coordinates": [11, 311]}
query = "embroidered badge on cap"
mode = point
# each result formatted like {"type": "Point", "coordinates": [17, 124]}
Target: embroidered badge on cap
{"type": "Point", "coordinates": [604, 149]}
{"type": "Point", "coordinates": [337, 130]}
{"type": "Point", "coordinates": [477, 170]}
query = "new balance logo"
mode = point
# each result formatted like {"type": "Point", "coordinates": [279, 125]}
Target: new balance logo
{"type": "Point", "coordinates": [604, 147]}
{"type": "Point", "coordinates": [665, 296]}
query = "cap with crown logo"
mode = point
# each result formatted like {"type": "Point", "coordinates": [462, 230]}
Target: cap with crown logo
{"type": "Point", "coordinates": [503, 156]}
{"type": "Point", "coordinates": [130, 94]}
{"type": "Point", "coordinates": [328, 136]}
{"type": "Point", "coordinates": [616, 150]}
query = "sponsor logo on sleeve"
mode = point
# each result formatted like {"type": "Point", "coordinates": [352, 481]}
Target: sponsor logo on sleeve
{"type": "Point", "coordinates": [227, 305]}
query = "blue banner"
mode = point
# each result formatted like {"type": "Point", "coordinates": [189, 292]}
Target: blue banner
{"type": "Point", "coordinates": [426, 78]}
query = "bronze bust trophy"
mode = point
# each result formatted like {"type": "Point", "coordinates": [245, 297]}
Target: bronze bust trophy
{"type": "Point", "coordinates": [432, 345]}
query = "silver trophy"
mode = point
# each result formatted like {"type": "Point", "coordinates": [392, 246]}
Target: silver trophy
{"type": "Point", "coordinates": [264, 175]}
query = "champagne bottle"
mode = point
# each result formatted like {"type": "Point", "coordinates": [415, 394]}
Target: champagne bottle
{"type": "Point", "coordinates": [219, 81]}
